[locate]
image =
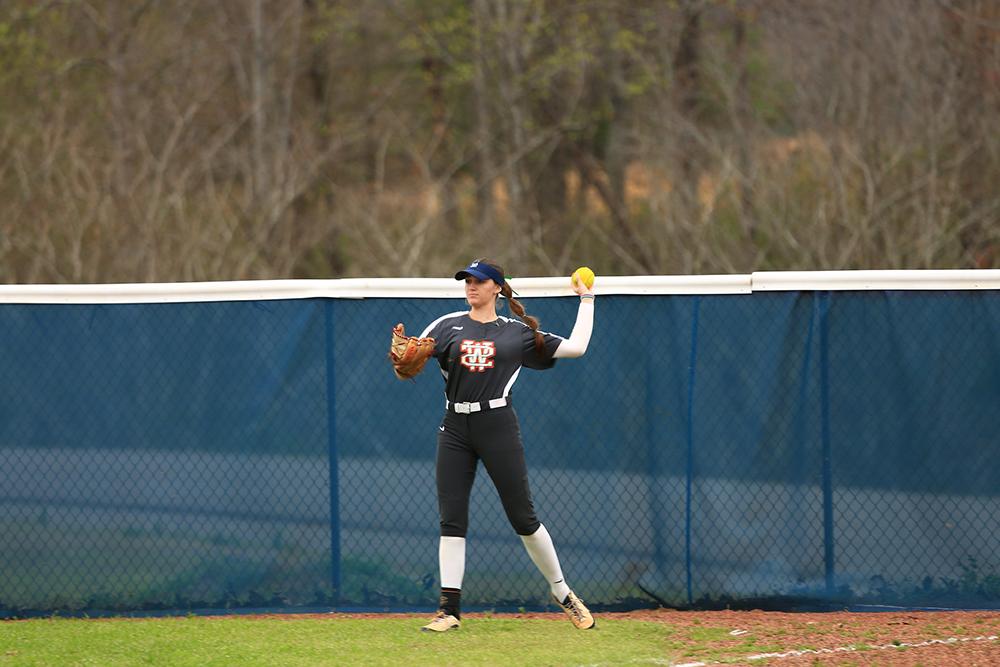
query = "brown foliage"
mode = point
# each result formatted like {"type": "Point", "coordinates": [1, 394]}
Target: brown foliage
{"type": "Point", "coordinates": [183, 140]}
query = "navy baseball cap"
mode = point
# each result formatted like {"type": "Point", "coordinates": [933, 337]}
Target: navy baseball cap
{"type": "Point", "coordinates": [480, 270]}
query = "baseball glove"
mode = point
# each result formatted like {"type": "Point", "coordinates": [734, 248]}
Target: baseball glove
{"type": "Point", "coordinates": [409, 353]}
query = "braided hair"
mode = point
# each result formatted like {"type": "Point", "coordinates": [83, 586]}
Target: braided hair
{"type": "Point", "coordinates": [517, 307]}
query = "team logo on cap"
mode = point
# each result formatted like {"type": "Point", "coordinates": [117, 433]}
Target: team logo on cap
{"type": "Point", "coordinates": [477, 355]}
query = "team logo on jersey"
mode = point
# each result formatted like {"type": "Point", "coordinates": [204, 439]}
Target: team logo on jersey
{"type": "Point", "coordinates": [477, 355]}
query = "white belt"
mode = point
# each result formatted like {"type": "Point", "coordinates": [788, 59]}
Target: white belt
{"type": "Point", "coordinates": [469, 408]}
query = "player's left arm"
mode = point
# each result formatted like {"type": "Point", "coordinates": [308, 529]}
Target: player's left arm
{"type": "Point", "coordinates": [579, 339]}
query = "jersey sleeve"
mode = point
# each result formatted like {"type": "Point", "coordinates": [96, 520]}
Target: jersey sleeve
{"type": "Point", "coordinates": [437, 331]}
{"type": "Point", "coordinates": [531, 357]}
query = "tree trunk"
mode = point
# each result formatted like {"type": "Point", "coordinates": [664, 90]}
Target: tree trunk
{"type": "Point", "coordinates": [688, 93]}
{"type": "Point", "coordinates": [485, 168]}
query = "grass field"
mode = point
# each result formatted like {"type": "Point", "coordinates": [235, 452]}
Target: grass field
{"type": "Point", "coordinates": [311, 641]}
{"type": "Point", "coordinates": [638, 638]}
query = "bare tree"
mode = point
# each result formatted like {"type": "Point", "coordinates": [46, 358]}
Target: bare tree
{"type": "Point", "coordinates": [184, 140]}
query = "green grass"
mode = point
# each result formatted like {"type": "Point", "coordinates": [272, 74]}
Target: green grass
{"type": "Point", "coordinates": [346, 641]}
{"type": "Point", "coordinates": [389, 641]}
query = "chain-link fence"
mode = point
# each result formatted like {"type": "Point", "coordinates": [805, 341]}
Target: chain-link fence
{"type": "Point", "coordinates": [775, 448]}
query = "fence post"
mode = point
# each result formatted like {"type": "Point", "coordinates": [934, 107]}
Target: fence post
{"type": "Point", "coordinates": [331, 426]}
{"type": "Point", "coordinates": [654, 469]}
{"type": "Point", "coordinates": [823, 304]}
{"type": "Point", "coordinates": [690, 448]}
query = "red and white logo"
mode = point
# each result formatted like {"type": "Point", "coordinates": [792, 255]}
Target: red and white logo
{"type": "Point", "coordinates": [477, 355]}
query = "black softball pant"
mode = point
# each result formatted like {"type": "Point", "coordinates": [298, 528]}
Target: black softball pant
{"type": "Point", "coordinates": [495, 437]}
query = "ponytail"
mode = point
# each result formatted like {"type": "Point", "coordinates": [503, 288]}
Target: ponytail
{"type": "Point", "coordinates": [518, 309]}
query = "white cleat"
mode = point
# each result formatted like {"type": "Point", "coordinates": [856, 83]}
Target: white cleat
{"type": "Point", "coordinates": [442, 622]}
{"type": "Point", "coordinates": [577, 611]}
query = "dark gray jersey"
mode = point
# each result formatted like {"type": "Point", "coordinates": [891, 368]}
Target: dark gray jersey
{"type": "Point", "coordinates": [481, 361]}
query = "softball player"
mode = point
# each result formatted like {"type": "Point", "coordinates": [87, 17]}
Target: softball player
{"type": "Point", "coordinates": [481, 355]}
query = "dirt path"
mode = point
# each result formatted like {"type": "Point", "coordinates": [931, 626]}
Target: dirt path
{"type": "Point", "coordinates": [930, 639]}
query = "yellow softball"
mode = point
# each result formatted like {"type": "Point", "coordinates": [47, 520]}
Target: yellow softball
{"type": "Point", "coordinates": [584, 274]}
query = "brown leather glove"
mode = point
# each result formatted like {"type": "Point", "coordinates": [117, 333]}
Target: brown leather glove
{"type": "Point", "coordinates": [409, 353]}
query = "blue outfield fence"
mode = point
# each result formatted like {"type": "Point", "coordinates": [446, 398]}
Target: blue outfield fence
{"type": "Point", "coordinates": [782, 449]}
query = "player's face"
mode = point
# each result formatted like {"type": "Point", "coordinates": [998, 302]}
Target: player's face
{"type": "Point", "coordinates": [480, 292]}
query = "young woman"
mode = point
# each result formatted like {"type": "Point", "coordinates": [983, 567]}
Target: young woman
{"type": "Point", "coordinates": [481, 354]}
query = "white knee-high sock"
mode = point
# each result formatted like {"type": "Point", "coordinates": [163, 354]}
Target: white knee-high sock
{"type": "Point", "coordinates": [451, 558]}
{"type": "Point", "coordinates": [543, 554]}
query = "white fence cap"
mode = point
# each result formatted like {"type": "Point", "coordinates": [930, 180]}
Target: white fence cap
{"type": "Point", "coordinates": [356, 288]}
{"type": "Point", "coordinates": [945, 279]}
{"type": "Point", "coordinates": [448, 288]}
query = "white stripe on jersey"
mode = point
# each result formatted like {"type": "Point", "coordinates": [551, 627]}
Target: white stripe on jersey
{"type": "Point", "coordinates": [506, 390]}
{"type": "Point", "coordinates": [511, 319]}
{"type": "Point", "coordinates": [457, 313]}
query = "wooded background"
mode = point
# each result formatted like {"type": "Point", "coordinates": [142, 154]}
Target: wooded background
{"type": "Point", "coordinates": [176, 140]}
